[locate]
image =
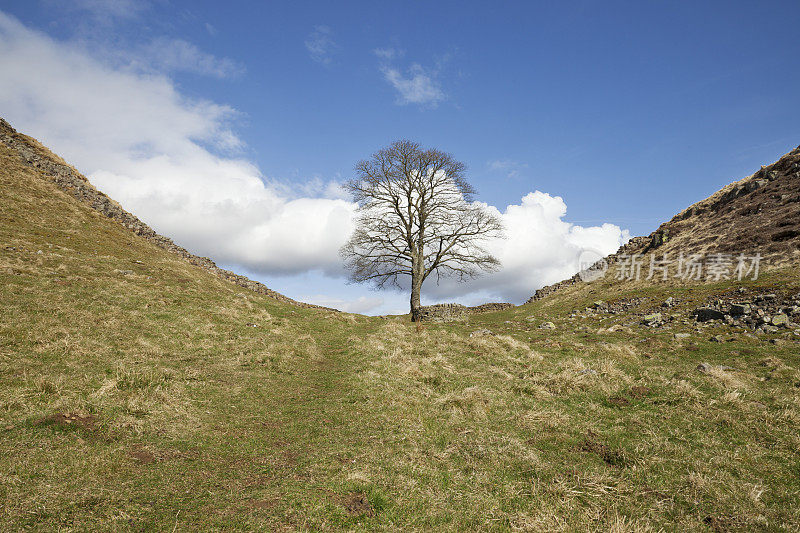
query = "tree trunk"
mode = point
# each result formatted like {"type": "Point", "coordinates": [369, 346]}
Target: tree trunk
{"type": "Point", "coordinates": [416, 289]}
{"type": "Point", "coordinates": [416, 284]}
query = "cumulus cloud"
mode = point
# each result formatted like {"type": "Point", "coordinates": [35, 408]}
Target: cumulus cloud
{"type": "Point", "coordinates": [320, 45]}
{"type": "Point", "coordinates": [169, 159]}
{"type": "Point", "coordinates": [176, 163]}
{"type": "Point", "coordinates": [539, 248]}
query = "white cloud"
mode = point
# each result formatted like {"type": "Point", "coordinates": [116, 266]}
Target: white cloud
{"type": "Point", "coordinates": [415, 85]}
{"type": "Point", "coordinates": [361, 305]}
{"type": "Point", "coordinates": [175, 163]}
{"type": "Point", "coordinates": [106, 11]}
{"type": "Point", "coordinates": [176, 55]}
{"type": "Point", "coordinates": [540, 248]}
{"type": "Point", "coordinates": [510, 168]}
{"type": "Point", "coordinates": [388, 54]}
{"type": "Point", "coordinates": [162, 156]}
{"type": "Point", "coordinates": [320, 45]}
{"type": "Point", "coordinates": [418, 86]}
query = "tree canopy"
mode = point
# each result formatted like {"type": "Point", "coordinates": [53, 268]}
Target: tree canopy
{"type": "Point", "coordinates": [416, 218]}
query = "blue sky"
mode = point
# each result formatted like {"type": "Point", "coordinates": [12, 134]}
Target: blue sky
{"type": "Point", "coordinates": [627, 111]}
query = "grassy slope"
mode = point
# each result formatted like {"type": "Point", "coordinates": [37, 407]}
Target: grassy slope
{"type": "Point", "coordinates": [184, 416]}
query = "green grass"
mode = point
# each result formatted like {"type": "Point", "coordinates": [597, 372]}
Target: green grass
{"type": "Point", "coordinates": [146, 402]}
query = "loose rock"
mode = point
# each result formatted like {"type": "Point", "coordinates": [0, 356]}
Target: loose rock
{"type": "Point", "coordinates": [704, 314]}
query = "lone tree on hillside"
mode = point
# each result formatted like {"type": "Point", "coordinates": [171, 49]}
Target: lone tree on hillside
{"type": "Point", "coordinates": [416, 217]}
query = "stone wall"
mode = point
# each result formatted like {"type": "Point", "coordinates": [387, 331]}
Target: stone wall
{"type": "Point", "coordinates": [443, 312]}
{"type": "Point", "coordinates": [450, 312]}
{"type": "Point", "coordinates": [494, 306]}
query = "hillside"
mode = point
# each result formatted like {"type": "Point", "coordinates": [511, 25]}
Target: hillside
{"type": "Point", "coordinates": [68, 179]}
{"type": "Point", "coordinates": [140, 390]}
{"type": "Point", "coordinates": [759, 214]}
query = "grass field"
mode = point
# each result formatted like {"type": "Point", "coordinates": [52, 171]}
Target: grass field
{"type": "Point", "coordinates": [138, 392]}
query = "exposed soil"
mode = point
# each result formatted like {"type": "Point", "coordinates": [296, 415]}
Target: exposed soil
{"type": "Point", "coordinates": [593, 444]}
{"type": "Point", "coordinates": [356, 503]}
{"type": "Point", "coordinates": [618, 401]}
{"type": "Point", "coordinates": [142, 456]}
{"type": "Point", "coordinates": [263, 504]}
{"type": "Point", "coordinates": [66, 420]}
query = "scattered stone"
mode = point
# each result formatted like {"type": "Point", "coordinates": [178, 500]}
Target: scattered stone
{"type": "Point", "coordinates": [705, 368]}
{"type": "Point", "coordinates": [679, 336]}
{"type": "Point", "coordinates": [777, 342]}
{"type": "Point", "coordinates": [651, 319]}
{"type": "Point", "coordinates": [547, 325]}
{"type": "Point", "coordinates": [530, 319]}
{"type": "Point", "coordinates": [741, 309]}
{"type": "Point", "coordinates": [780, 320]}
{"type": "Point", "coordinates": [39, 252]}
{"type": "Point", "coordinates": [717, 338]}
{"type": "Point", "coordinates": [251, 325]}
{"type": "Point", "coordinates": [481, 333]}
{"type": "Point", "coordinates": [587, 372]}
{"type": "Point", "coordinates": [123, 272]}
{"type": "Point", "coordinates": [704, 314]}
{"type": "Point", "coordinates": [669, 302]}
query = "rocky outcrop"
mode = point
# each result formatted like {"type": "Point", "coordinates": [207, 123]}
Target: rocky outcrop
{"type": "Point", "coordinates": [632, 246]}
{"type": "Point", "coordinates": [757, 214]}
{"type": "Point", "coordinates": [71, 181]}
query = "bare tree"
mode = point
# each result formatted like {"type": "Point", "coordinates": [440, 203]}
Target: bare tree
{"type": "Point", "coordinates": [415, 218]}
